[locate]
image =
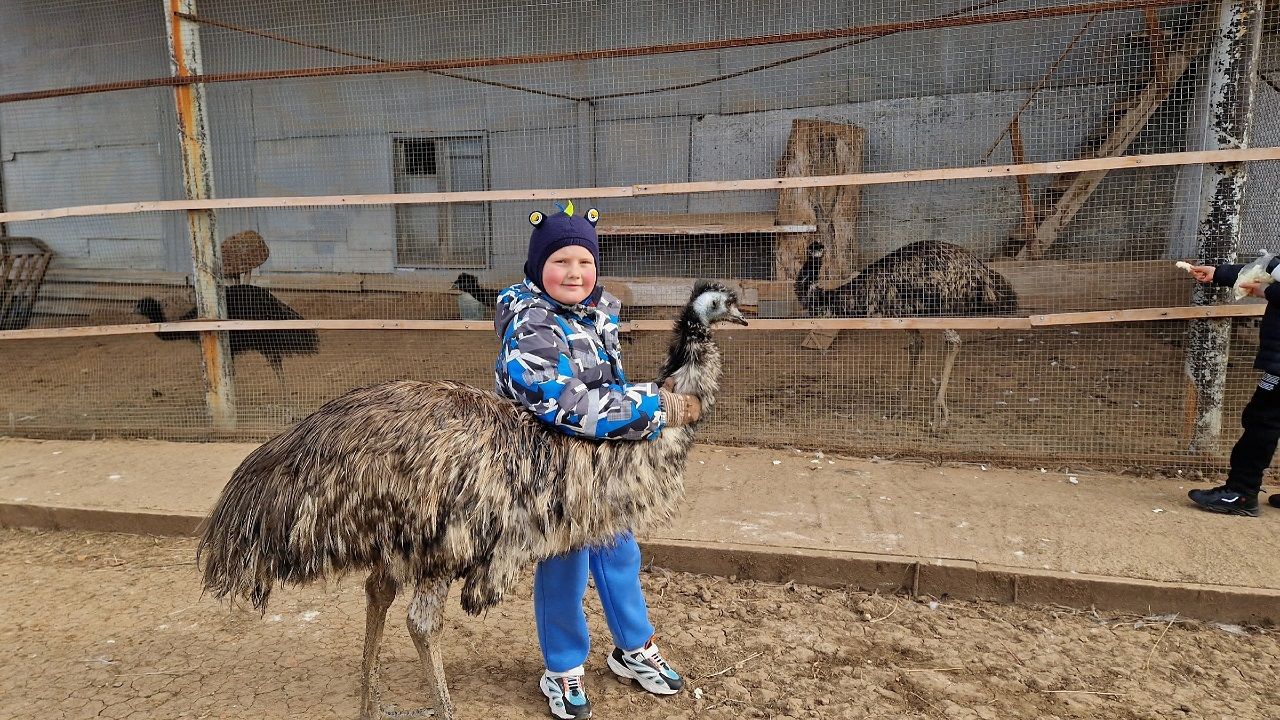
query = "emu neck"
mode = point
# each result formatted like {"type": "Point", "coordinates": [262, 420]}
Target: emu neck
{"type": "Point", "coordinates": [693, 359]}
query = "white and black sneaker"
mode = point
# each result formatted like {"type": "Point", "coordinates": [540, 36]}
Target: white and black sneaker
{"type": "Point", "coordinates": [647, 667]}
{"type": "Point", "coordinates": [566, 695]}
{"type": "Point", "coordinates": [1225, 500]}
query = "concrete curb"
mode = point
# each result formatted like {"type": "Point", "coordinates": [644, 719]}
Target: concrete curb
{"type": "Point", "coordinates": [958, 579]}
{"type": "Point", "coordinates": [968, 580]}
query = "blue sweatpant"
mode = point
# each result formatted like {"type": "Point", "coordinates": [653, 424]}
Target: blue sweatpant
{"type": "Point", "coordinates": [559, 585]}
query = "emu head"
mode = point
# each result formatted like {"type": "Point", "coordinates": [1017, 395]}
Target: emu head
{"type": "Point", "coordinates": [712, 302]}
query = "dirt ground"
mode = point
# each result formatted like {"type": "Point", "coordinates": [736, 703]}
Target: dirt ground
{"type": "Point", "coordinates": [115, 626]}
{"type": "Point", "coordinates": [1107, 395]}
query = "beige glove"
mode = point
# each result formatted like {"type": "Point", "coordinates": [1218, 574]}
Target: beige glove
{"type": "Point", "coordinates": [681, 409]}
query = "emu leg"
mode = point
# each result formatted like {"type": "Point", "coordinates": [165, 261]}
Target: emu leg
{"type": "Point", "coordinates": [915, 344]}
{"type": "Point", "coordinates": [426, 618]}
{"type": "Point", "coordinates": [941, 415]}
{"type": "Point", "coordinates": [277, 366]}
{"type": "Point", "coordinates": [380, 589]}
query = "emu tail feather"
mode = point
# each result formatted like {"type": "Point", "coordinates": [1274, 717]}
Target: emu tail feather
{"type": "Point", "coordinates": [246, 547]}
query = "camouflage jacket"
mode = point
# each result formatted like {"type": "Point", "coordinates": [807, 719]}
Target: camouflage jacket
{"type": "Point", "coordinates": [563, 364]}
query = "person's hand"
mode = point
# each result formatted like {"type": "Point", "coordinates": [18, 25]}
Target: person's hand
{"type": "Point", "coordinates": [1203, 273]}
{"type": "Point", "coordinates": [1256, 289]}
{"type": "Point", "coordinates": [681, 409]}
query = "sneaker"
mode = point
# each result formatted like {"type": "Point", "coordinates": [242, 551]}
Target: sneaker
{"type": "Point", "coordinates": [647, 667]}
{"type": "Point", "coordinates": [1223, 499]}
{"type": "Point", "coordinates": [566, 695]}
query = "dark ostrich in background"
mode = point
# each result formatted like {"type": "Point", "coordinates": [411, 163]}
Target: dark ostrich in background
{"type": "Point", "coordinates": [248, 302]}
{"type": "Point", "coordinates": [928, 278]}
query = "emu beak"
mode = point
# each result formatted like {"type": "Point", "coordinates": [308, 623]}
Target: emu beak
{"type": "Point", "coordinates": [735, 317]}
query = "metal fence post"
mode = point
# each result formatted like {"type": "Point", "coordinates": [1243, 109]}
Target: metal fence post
{"type": "Point", "coordinates": [197, 179]}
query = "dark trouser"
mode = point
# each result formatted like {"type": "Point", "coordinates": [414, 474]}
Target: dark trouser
{"type": "Point", "coordinates": [1252, 453]}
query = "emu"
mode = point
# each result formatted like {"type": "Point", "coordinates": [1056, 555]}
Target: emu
{"type": "Point", "coordinates": [248, 302]}
{"type": "Point", "coordinates": [473, 299]}
{"type": "Point", "coordinates": [422, 483]}
{"type": "Point", "coordinates": [928, 278]}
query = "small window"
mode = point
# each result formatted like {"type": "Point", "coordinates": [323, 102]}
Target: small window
{"type": "Point", "coordinates": [454, 235]}
{"type": "Point", "coordinates": [419, 156]}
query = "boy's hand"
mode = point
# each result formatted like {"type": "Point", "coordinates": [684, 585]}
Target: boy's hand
{"type": "Point", "coordinates": [1203, 273]}
{"type": "Point", "coordinates": [681, 409]}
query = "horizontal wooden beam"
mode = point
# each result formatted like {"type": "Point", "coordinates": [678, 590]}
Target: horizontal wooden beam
{"type": "Point", "coordinates": [757, 324]}
{"type": "Point", "coordinates": [1217, 312]}
{"type": "Point", "coordinates": [882, 178]}
{"type": "Point", "coordinates": [695, 224]}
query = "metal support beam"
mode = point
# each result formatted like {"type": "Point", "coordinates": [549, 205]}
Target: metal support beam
{"type": "Point", "coordinates": [197, 179]}
{"type": "Point", "coordinates": [586, 143]}
{"type": "Point", "coordinates": [1232, 84]}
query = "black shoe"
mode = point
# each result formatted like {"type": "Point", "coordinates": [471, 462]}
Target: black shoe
{"type": "Point", "coordinates": [1274, 500]}
{"type": "Point", "coordinates": [1223, 499]}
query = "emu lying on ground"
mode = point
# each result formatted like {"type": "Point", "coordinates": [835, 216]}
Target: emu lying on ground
{"type": "Point", "coordinates": [424, 483]}
{"type": "Point", "coordinates": [248, 302]}
{"type": "Point", "coordinates": [928, 278]}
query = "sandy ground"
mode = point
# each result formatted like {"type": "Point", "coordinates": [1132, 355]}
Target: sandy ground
{"type": "Point", "coordinates": [115, 626]}
{"type": "Point", "coordinates": [1107, 395]}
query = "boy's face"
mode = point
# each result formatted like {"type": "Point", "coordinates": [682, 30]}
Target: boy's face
{"type": "Point", "coordinates": [569, 275]}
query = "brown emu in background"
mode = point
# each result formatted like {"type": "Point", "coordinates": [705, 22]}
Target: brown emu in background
{"type": "Point", "coordinates": [928, 278]}
{"type": "Point", "coordinates": [424, 483]}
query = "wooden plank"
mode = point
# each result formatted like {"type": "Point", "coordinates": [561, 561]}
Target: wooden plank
{"type": "Point", "coordinates": [668, 292]}
{"type": "Point", "coordinates": [695, 224]}
{"type": "Point", "coordinates": [818, 147]}
{"type": "Point", "coordinates": [756, 324]}
{"type": "Point", "coordinates": [1043, 287]}
{"type": "Point", "coordinates": [1198, 312]}
{"type": "Point", "coordinates": [969, 173]}
{"type": "Point", "coordinates": [338, 282]}
{"type": "Point", "coordinates": [1040, 285]}
{"type": "Point", "coordinates": [1028, 228]}
{"type": "Point", "coordinates": [99, 292]}
{"type": "Point", "coordinates": [217, 325]}
{"type": "Point", "coordinates": [882, 178]}
{"type": "Point", "coordinates": [64, 274]}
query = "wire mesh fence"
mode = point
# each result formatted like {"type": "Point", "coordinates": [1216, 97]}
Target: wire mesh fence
{"type": "Point", "coordinates": [378, 101]}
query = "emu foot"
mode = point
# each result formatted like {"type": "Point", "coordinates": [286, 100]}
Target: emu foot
{"type": "Point", "coordinates": [940, 419]}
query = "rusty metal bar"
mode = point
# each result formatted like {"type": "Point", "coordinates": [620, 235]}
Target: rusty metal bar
{"type": "Point", "coordinates": [197, 178]}
{"type": "Point", "coordinates": [606, 54]}
{"type": "Point", "coordinates": [1232, 85]}
{"type": "Point", "coordinates": [360, 56]}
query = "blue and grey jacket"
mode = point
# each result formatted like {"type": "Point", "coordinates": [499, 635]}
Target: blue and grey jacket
{"type": "Point", "coordinates": [563, 364]}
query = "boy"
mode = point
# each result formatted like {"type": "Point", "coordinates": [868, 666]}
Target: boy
{"type": "Point", "coordinates": [560, 359]}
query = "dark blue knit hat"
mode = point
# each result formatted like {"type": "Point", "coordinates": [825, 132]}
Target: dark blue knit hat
{"type": "Point", "coordinates": [550, 233]}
